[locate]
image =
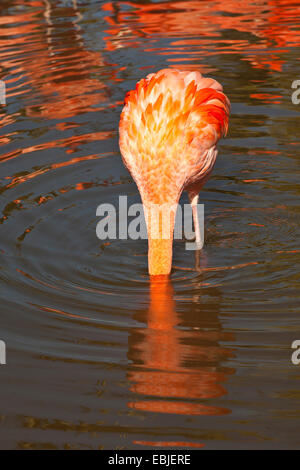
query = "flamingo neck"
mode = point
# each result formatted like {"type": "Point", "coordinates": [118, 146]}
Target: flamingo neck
{"type": "Point", "coordinates": [160, 225]}
{"type": "Point", "coordinates": [159, 257]}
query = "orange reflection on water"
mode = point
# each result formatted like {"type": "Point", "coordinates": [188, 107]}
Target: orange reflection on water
{"type": "Point", "coordinates": [201, 29]}
{"type": "Point", "coordinates": [172, 367]}
{"type": "Point", "coordinates": [53, 61]}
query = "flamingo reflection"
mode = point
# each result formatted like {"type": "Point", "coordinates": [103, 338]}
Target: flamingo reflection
{"type": "Point", "coordinates": [176, 370]}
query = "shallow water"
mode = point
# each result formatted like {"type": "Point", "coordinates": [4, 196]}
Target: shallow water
{"type": "Point", "coordinates": [97, 357]}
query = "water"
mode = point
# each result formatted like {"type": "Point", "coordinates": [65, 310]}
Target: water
{"type": "Point", "coordinates": [97, 357]}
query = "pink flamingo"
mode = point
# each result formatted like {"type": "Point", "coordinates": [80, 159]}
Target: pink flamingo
{"type": "Point", "coordinates": [169, 129]}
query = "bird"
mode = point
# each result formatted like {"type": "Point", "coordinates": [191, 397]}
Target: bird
{"type": "Point", "coordinates": [168, 132]}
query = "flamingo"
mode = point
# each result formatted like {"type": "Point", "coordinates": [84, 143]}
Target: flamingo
{"type": "Point", "coordinates": [169, 128]}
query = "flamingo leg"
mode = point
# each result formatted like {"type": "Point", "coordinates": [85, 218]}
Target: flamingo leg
{"type": "Point", "coordinates": [194, 198]}
{"type": "Point", "coordinates": [194, 201]}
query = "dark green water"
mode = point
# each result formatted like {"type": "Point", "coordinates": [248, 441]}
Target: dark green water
{"type": "Point", "coordinates": [96, 356]}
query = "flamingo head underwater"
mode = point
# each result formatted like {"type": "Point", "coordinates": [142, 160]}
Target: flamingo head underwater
{"type": "Point", "coordinates": [169, 128]}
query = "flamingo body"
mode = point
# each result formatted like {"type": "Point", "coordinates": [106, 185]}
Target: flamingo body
{"type": "Point", "coordinates": [169, 129]}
